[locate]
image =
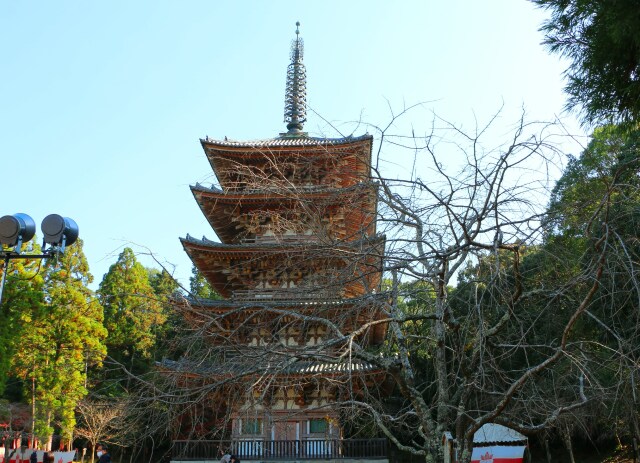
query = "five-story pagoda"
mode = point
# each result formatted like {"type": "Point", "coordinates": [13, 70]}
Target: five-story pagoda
{"type": "Point", "coordinates": [297, 266]}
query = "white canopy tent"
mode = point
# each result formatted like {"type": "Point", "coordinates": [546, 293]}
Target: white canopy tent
{"type": "Point", "coordinates": [492, 432]}
{"type": "Point", "coordinates": [492, 443]}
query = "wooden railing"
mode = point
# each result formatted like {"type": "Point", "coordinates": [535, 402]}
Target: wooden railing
{"type": "Point", "coordinates": [308, 449]}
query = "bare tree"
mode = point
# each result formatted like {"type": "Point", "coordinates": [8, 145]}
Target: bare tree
{"type": "Point", "coordinates": [473, 331]}
{"type": "Point", "coordinates": [101, 421]}
{"type": "Point", "coordinates": [492, 356]}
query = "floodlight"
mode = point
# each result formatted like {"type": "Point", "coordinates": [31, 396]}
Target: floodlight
{"type": "Point", "coordinates": [59, 231]}
{"type": "Point", "coordinates": [16, 229]}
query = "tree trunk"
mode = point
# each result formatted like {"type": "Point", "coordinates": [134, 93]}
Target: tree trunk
{"type": "Point", "coordinates": [441, 361]}
{"type": "Point", "coordinates": [566, 434]}
{"type": "Point", "coordinates": [50, 437]}
{"type": "Point", "coordinates": [33, 405]}
{"type": "Point", "coordinates": [547, 449]}
{"type": "Point", "coordinates": [133, 452]}
{"type": "Point", "coordinates": [635, 428]}
{"type": "Point", "coordinates": [465, 450]}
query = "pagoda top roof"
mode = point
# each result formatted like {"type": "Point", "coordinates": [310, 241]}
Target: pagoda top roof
{"type": "Point", "coordinates": [285, 141]}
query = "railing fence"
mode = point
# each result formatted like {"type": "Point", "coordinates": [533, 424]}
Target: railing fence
{"type": "Point", "coordinates": [307, 449]}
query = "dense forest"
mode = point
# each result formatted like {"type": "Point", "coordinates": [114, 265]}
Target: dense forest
{"type": "Point", "coordinates": [67, 350]}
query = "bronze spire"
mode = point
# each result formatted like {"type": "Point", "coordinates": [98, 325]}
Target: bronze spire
{"type": "Point", "coordinates": [295, 100]}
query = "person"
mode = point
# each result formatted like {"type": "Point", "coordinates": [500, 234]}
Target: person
{"type": "Point", "coordinates": [234, 459]}
{"type": "Point", "coordinates": [45, 457]}
{"type": "Point", "coordinates": [34, 457]}
{"type": "Point", "coordinates": [103, 454]}
{"type": "Point", "coordinates": [225, 458]}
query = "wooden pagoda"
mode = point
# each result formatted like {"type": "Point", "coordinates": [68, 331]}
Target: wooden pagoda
{"type": "Point", "coordinates": [298, 265]}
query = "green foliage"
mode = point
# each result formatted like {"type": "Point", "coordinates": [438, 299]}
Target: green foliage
{"type": "Point", "coordinates": [65, 335]}
{"type": "Point", "coordinates": [609, 164]}
{"type": "Point", "coordinates": [416, 300]}
{"type": "Point", "coordinates": [134, 315]}
{"type": "Point", "coordinates": [163, 284]}
{"type": "Point", "coordinates": [131, 309]}
{"type": "Point", "coordinates": [602, 39]}
{"type": "Point", "coordinates": [22, 299]}
{"type": "Point", "coordinates": [199, 287]}
{"type": "Point", "coordinates": [593, 222]}
{"type": "Point", "coordinates": [166, 290]}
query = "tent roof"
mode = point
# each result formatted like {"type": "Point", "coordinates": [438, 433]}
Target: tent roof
{"type": "Point", "coordinates": [492, 432]}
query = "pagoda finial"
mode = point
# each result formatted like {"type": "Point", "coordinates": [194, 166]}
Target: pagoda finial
{"type": "Point", "coordinates": [295, 100]}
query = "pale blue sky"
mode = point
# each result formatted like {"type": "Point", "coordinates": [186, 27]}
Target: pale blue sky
{"type": "Point", "coordinates": [103, 103]}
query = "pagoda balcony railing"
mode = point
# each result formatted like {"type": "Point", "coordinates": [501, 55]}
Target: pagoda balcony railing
{"type": "Point", "coordinates": [260, 449]}
{"type": "Point", "coordinates": [286, 295]}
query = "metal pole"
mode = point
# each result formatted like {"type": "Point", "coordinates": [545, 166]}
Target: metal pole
{"type": "Point", "coordinates": [5, 267]}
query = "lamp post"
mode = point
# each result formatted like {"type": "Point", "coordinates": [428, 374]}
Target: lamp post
{"type": "Point", "coordinates": [15, 230]}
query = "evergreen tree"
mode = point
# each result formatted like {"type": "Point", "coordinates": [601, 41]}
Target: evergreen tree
{"type": "Point", "coordinates": [593, 222]}
{"type": "Point", "coordinates": [133, 313]}
{"type": "Point", "coordinates": [199, 287]}
{"type": "Point", "coordinates": [65, 336]}
{"type": "Point", "coordinates": [167, 291]}
{"type": "Point", "coordinates": [602, 40]}
{"type": "Point", "coordinates": [22, 298]}
{"type": "Point", "coordinates": [163, 284]}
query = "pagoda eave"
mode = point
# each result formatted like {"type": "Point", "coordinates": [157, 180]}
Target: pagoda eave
{"type": "Point", "coordinates": [332, 250]}
{"type": "Point", "coordinates": [236, 216]}
{"type": "Point", "coordinates": [282, 270]}
{"type": "Point", "coordinates": [285, 144]}
{"type": "Point", "coordinates": [365, 301]}
{"type": "Point", "coordinates": [302, 369]}
{"type": "Point", "coordinates": [240, 165]}
{"type": "Point", "coordinates": [283, 196]}
{"type": "Point", "coordinates": [353, 313]}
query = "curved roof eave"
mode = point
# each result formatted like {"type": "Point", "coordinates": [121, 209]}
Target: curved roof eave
{"type": "Point", "coordinates": [284, 142]}
{"type": "Point", "coordinates": [215, 245]}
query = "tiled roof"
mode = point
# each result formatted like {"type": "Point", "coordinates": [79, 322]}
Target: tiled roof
{"type": "Point", "coordinates": [204, 241]}
{"type": "Point", "coordinates": [243, 304]}
{"type": "Point", "coordinates": [211, 189]}
{"type": "Point", "coordinates": [282, 192]}
{"type": "Point", "coordinates": [250, 365]}
{"type": "Point", "coordinates": [287, 141]}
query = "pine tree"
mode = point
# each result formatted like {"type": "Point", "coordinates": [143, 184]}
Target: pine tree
{"type": "Point", "coordinates": [65, 336]}
{"type": "Point", "coordinates": [22, 298]}
{"type": "Point", "coordinates": [602, 41]}
{"type": "Point", "coordinates": [167, 291]}
{"type": "Point", "coordinates": [199, 287]}
{"type": "Point", "coordinates": [163, 284]}
{"type": "Point", "coordinates": [133, 314]}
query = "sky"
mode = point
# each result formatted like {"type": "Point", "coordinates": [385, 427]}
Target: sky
{"type": "Point", "coordinates": [103, 103]}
